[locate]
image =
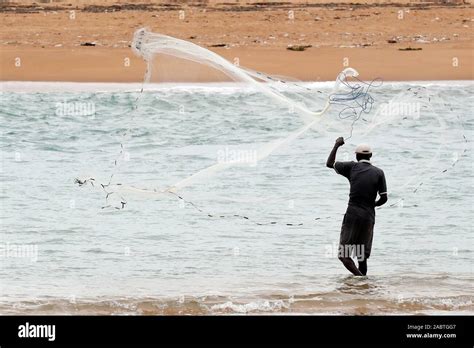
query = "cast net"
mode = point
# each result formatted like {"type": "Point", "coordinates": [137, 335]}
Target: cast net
{"type": "Point", "coordinates": [211, 133]}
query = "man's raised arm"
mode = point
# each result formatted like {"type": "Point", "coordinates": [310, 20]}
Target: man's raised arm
{"type": "Point", "coordinates": [332, 155]}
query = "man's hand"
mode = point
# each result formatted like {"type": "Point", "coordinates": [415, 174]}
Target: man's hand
{"type": "Point", "coordinates": [332, 155]}
{"type": "Point", "coordinates": [339, 141]}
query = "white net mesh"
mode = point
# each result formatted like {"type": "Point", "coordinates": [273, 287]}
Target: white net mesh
{"type": "Point", "coordinates": [214, 126]}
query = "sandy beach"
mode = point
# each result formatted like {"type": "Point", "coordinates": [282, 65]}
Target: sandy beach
{"type": "Point", "coordinates": [89, 41]}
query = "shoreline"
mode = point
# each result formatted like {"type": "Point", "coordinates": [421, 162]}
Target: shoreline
{"type": "Point", "coordinates": [134, 87]}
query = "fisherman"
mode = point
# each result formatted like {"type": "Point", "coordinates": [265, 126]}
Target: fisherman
{"type": "Point", "coordinates": [366, 180]}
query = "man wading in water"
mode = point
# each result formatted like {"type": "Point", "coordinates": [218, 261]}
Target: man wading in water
{"type": "Point", "coordinates": [357, 228]}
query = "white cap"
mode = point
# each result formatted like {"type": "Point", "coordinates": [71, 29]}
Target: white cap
{"type": "Point", "coordinates": [363, 149]}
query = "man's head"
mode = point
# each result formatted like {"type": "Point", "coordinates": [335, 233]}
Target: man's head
{"type": "Point", "coordinates": [363, 152]}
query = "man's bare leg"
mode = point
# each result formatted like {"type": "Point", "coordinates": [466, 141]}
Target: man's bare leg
{"type": "Point", "coordinates": [363, 267]}
{"type": "Point", "coordinates": [350, 265]}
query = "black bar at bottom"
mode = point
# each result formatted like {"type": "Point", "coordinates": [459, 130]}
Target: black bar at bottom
{"type": "Point", "coordinates": [289, 330]}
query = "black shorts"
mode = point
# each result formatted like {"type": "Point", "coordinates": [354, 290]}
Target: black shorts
{"type": "Point", "coordinates": [356, 237]}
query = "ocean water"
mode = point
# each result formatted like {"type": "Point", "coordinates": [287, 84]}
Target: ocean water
{"type": "Point", "coordinates": [257, 237]}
